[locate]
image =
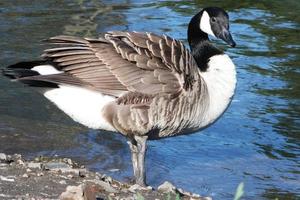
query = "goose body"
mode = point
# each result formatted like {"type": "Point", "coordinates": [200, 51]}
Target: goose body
{"type": "Point", "coordinates": [142, 85]}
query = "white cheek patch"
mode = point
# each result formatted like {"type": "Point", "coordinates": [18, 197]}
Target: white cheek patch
{"type": "Point", "coordinates": [205, 24]}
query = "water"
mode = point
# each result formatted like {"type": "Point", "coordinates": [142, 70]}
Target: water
{"type": "Point", "coordinates": [255, 142]}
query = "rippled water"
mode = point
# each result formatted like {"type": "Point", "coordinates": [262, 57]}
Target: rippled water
{"type": "Point", "coordinates": [257, 140]}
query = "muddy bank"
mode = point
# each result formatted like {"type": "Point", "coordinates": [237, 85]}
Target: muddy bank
{"type": "Point", "coordinates": [62, 178]}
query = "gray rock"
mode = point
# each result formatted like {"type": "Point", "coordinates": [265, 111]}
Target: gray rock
{"type": "Point", "coordinates": [69, 161]}
{"type": "Point", "coordinates": [72, 193]}
{"type": "Point", "coordinates": [34, 165]}
{"type": "Point", "coordinates": [137, 187]}
{"type": "Point", "coordinates": [20, 162]}
{"type": "Point", "coordinates": [56, 166]}
{"type": "Point", "coordinates": [63, 182]}
{"type": "Point", "coordinates": [83, 173]}
{"type": "Point", "coordinates": [167, 187]}
{"type": "Point", "coordinates": [40, 174]}
{"type": "Point", "coordinates": [25, 175]}
{"type": "Point", "coordinates": [3, 157]}
{"type": "Point", "coordinates": [106, 186]}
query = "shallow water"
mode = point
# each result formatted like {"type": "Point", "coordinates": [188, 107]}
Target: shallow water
{"type": "Point", "coordinates": [255, 142]}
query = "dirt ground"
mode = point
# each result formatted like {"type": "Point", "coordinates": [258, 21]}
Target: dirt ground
{"type": "Point", "coordinates": [62, 178]}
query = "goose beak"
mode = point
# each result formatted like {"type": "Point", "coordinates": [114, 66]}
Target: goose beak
{"type": "Point", "coordinates": [226, 36]}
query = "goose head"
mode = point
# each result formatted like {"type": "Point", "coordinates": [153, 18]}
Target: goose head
{"type": "Point", "coordinates": [215, 22]}
{"type": "Point", "coordinates": [211, 21]}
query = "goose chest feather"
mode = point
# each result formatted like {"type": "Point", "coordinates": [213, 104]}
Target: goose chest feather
{"type": "Point", "coordinates": [142, 85]}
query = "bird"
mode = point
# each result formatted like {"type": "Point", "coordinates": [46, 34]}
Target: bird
{"type": "Point", "coordinates": [142, 85]}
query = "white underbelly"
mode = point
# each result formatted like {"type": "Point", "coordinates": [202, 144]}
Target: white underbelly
{"type": "Point", "coordinates": [82, 105]}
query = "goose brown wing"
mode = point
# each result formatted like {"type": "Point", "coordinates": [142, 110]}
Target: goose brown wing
{"type": "Point", "coordinates": [131, 62]}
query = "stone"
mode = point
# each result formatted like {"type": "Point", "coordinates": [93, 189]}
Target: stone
{"type": "Point", "coordinates": [8, 179]}
{"type": "Point", "coordinates": [25, 175]}
{"type": "Point", "coordinates": [56, 166]}
{"type": "Point", "coordinates": [3, 157]}
{"type": "Point", "coordinates": [69, 161]}
{"type": "Point", "coordinates": [83, 173]}
{"type": "Point", "coordinates": [20, 162]}
{"type": "Point", "coordinates": [40, 174]}
{"type": "Point", "coordinates": [70, 176]}
{"type": "Point", "coordinates": [136, 187]}
{"type": "Point", "coordinates": [72, 193]}
{"type": "Point", "coordinates": [167, 187]}
{"type": "Point", "coordinates": [2, 165]}
{"type": "Point", "coordinates": [63, 182]}
{"type": "Point", "coordinates": [67, 170]}
{"type": "Point", "coordinates": [34, 165]}
{"type": "Point", "coordinates": [17, 156]}
{"type": "Point", "coordinates": [105, 186]}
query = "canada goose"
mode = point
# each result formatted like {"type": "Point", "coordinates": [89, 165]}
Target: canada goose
{"type": "Point", "coordinates": [142, 85]}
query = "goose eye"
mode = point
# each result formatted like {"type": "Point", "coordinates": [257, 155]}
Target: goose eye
{"type": "Point", "coordinates": [213, 19]}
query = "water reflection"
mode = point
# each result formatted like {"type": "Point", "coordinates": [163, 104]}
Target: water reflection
{"type": "Point", "coordinates": [257, 140]}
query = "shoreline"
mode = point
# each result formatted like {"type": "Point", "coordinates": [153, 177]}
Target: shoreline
{"type": "Point", "coordinates": [63, 178]}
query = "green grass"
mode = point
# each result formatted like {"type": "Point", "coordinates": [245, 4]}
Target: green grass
{"type": "Point", "coordinates": [239, 192]}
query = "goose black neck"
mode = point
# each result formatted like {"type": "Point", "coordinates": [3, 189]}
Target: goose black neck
{"type": "Point", "coordinates": [195, 34]}
{"type": "Point", "coordinates": [200, 45]}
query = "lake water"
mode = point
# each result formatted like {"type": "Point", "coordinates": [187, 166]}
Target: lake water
{"type": "Point", "coordinates": [256, 142]}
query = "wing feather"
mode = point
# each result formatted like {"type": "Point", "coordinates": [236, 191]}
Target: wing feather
{"type": "Point", "coordinates": [125, 63]}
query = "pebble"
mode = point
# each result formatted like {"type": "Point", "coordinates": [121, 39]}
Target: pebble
{"type": "Point", "coordinates": [83, 173]}
{"type": "Point", "coordinates": [34, 165]}
{"type": "Point", "coordinates": [28, 170]}
{"type": "Point", "coordinates": [73, 193]}
{"type": "Point", "coordinates": [69, 161]}
{"type": "Point", "coordinates": [3, 157]}
{"type": "Point", "coordinates": [136, 187]}
{"type": "Point", "coordinates": [3, 178]}
{"type": "Point", "coordinates": [20, 162]}
{"type": "Point", "coordinates": [56, 166]}
{"type": "Point", "coordinates": [105, 186]}
{"type": "Point", "coordinates": [63, 182]}
{"type": "Point", "coordinates": [17, 156]}
{"type": "Point", "coordinates": [25, 175]}
{"type": "Point", "coordinates": [40, 174]}
{"type": "Point", "coordinates": [3, 165]}
{"type": "Point", "coordinates": [167, 187]}
{"type": "Point", "coordinates": [70, 176]}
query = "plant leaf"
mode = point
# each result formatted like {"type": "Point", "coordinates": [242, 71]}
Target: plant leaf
{"type": "Point", "coordinates": [239, 191]}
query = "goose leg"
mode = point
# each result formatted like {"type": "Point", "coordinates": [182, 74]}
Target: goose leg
{"type": "Point", "coordinates": [138, 150]}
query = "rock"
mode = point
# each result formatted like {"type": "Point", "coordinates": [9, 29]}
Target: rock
{"type": "Point", "coordinates": [20, 162]}
{"type": "Point", "coordinates": [63, 182]}
{"type": "Point", "coordinates": [56, 166]}
{"type": "Point", "coordinates": [69, 161]}
{"type": "Point", "coordinates": [34, 165]}
{"type": "Point", "coordinates": [70, 176]}
{"type": "Point", "coordinates": [72, 193]}
{"type": "Point", "coordinates": [106, 178]}
{"type": "Point", "coordinates": [3, 157]}
{"type": "Point", "coordinates": [28, 170]}
{"type": "Point", "coordinates": [2, 165]}
{"type": "Point", "coordinates": [167, 187]}
{"type": "Point", "coordinates": [40, 174]}
{"type": "Point", "coordinates": [104, 185]}
{"type": "Point", "coordinates": [136, 187]}
{"type": "Point", "coordinates": [25, 175]}
{"type": "Point", "coordinates": [83, 173]}
{"type": "Point", "coordinates": [68, 170]}
{"type": "Point", "coordinates": [3, 178]}
{"type": "Point", "coordinates": [17, 156]}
